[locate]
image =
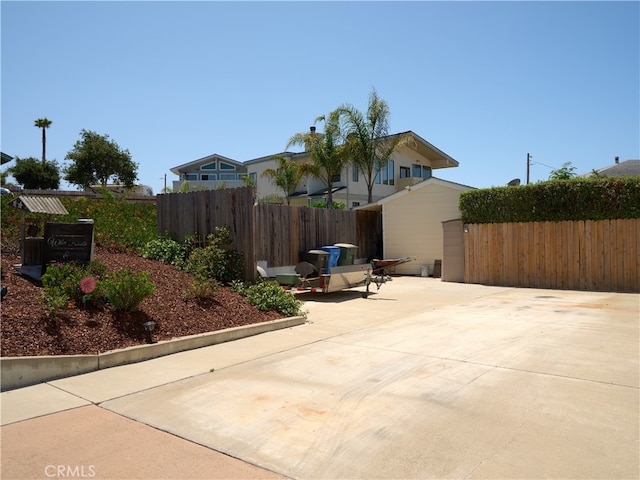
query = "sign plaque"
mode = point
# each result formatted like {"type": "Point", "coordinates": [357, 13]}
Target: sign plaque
{"type": "Point", "coordinates": [68, 242]}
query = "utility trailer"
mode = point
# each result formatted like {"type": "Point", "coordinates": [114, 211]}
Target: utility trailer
{"type": "Point", "coordinates": [346, 276]}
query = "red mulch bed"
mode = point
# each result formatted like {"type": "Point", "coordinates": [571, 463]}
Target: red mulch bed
{"type": "Point", "coordinates": [26, 328]}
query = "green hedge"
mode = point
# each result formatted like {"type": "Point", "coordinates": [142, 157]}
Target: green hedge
{"type": "Point", "coordinates": [598, 198]}
{"type": "Point", "coordinates": [118, 224]}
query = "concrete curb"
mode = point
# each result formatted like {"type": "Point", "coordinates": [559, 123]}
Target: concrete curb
{"type": "Point", "coordinates": [17, 372]}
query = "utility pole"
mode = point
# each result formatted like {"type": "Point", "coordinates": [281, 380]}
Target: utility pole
{"type": "Point", "coordinates": [529, 157]}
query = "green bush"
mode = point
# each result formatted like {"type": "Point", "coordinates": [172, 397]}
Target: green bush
{"type": "Point", "coordinates": [598, 198]}
{"type": "Point", "coordinates": [126, 290]}
{"type": "Point", "coordinates": [167, 250]}
{"type": "Point", "coordinates": [269, 295]}
{"type": "Point", "coordinates": [55, 299]}
{"type": "Point", "coordinates": [335, 205]}
{"type": "Point", "coordinates": [118, 224]}
{"type": "Point", "coordinates": [217, 260]}
{"type": "Point", "coordinates": [69, 284]}
{"type": "Point", "coordinates": [201, 290]}
{"type": "Point", "coordinates": [68, 279]}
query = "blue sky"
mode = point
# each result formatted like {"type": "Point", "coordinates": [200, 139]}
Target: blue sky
{"type": "Point", "coordinates": [486, 82]}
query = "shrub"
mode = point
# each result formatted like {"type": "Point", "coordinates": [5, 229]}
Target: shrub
{"type": "Point", "coordinates": [201, 290]}
{"type": "Point", "coordinates": [68, 278]}
{"type": "Point", "coordinates": [118, 224]}
{"type": "Point", "coordinates": [575, 199]}
{"type": "Point", "coordinates": [55, 299]}
{"type": "Point", "coordinates": [217, 260]}
{"type": "Point", "coordinates": [335, 205]}
{"type": "Point", "coordinates": [167, 250]}
{"type": "Point", "coordinates": [71, 284]}
{"type": "Point", "coordinates": [126, 290]}
{"type": "Point", "coordinates": [269, 295]}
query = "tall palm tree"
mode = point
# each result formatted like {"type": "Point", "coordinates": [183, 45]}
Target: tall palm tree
{"type": "Point", "coordinates": [43, 123]}
{"type": "Point", "coordinates": [286, 176]}
{"type": "Point", "coordinates": [326, 151]}
{"type": "Point", "coordinates": [366, 138]}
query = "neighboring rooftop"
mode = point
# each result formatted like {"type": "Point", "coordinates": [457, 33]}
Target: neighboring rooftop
{"type": "Point", "coordinates": [628, 168]}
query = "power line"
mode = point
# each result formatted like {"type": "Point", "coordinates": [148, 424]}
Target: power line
{"type": "Point", "coordinates": [548, 166]}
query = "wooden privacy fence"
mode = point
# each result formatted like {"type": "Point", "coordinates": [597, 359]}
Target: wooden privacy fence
{"type": "Point", "coordinates": [274, 233]}
{"type": "Point", "coordinates": [199, 213]}
{"type": "Point", "coordinates": [577, 255]}
{"type": "Point", "coordinates": [282, 233]}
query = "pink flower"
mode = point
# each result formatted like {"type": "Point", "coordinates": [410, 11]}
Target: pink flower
{"type": "Point", "coordinates": [87, 285]}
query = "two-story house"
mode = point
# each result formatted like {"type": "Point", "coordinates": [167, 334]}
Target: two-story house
{"type": "Point", "coordinates": [414, 161]}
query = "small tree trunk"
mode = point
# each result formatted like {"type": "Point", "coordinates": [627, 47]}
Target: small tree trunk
{"type": "Point", "coordinates": [44, 144]}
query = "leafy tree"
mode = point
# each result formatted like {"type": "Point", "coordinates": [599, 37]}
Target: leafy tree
{"type": "Point", "coordinates": [96, 159]}
{"type": "Point", "coordinates": [286, 176]}
{"type": "Point", "coordinates": [565, 172]}
{"type": "Point", "coordinates": [43, 123]}
{"type": "Point", "coordinates": [31, 173]}
{"type": "Point", "coordinates": [367, 138]}
{"type": "Point", "coordinates": [327, 153]}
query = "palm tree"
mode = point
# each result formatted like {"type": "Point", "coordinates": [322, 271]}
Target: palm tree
{"type": "Point", "coordinates": [367, 138]}
{"type": "Point", "coordinates": [286, 176]}
{"type": "Point", "coordinates": [327, 153]}
{"type": "Point", "coordinates": [43, 123]}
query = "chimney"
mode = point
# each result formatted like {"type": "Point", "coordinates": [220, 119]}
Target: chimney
{"type": "Point", "coordinates": [617, 160]}
{"type": "Point", "coordinates": [313, 129]}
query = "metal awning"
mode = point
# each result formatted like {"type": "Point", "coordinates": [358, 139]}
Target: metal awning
{"type": "Point", "coordinates": [33, 204]}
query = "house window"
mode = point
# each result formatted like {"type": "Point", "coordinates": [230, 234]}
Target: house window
{"type": "Point", "coordinates": [254, 177]}
{"type": "Point", "coordinates": [191, 176]}
{"type": "Point", "coordinates": [417, 170]}
{"type": "Point", "coordinates": [209, 166]}
{"type": "Point", "coordinates": [405, 172]}
{"type": "Point", "coordinates": [227, 176]}
{"type": "Point", "coordinates": [378, 173]}
{"type": "Point", "coordinates": [335, 178]}
{"type": "Point", "coordinates": [226, 166]}
{"type": "Point", "coordinates": [426, 172]}
{"type": "Point", "coordinates": [388, 175]}
{"type": "Point", "coordinates": [355, 204]}
{"type": "Point", "coordinates": [354, 174]}
{"type": "Point", "coordinates": [208, 176]}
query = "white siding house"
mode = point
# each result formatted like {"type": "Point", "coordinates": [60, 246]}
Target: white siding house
{"type": "Point", "coordinates": [412, 222]}
{"type": "Point", "coordinates": [414, 160]}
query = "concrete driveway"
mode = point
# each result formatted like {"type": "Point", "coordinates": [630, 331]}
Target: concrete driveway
{"type": "Point", "coordinates": [424, 379]}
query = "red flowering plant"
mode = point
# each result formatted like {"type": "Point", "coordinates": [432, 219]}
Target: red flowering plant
{"type": "Point", "coordinates": [87, 286]}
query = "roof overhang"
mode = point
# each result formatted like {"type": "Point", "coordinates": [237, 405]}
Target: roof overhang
{"type": "Point", "coordinates": [32, 204]}
{"type": "Point", "coordinates": [203, 161]}
{"type": "Point", "coordinates": [377, 206]}
{"type": "Point", "coordinates": [437, 158]}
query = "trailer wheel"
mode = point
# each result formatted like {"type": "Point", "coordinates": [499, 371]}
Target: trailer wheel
{"type": "Point", "coordinates": [365, 294]}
